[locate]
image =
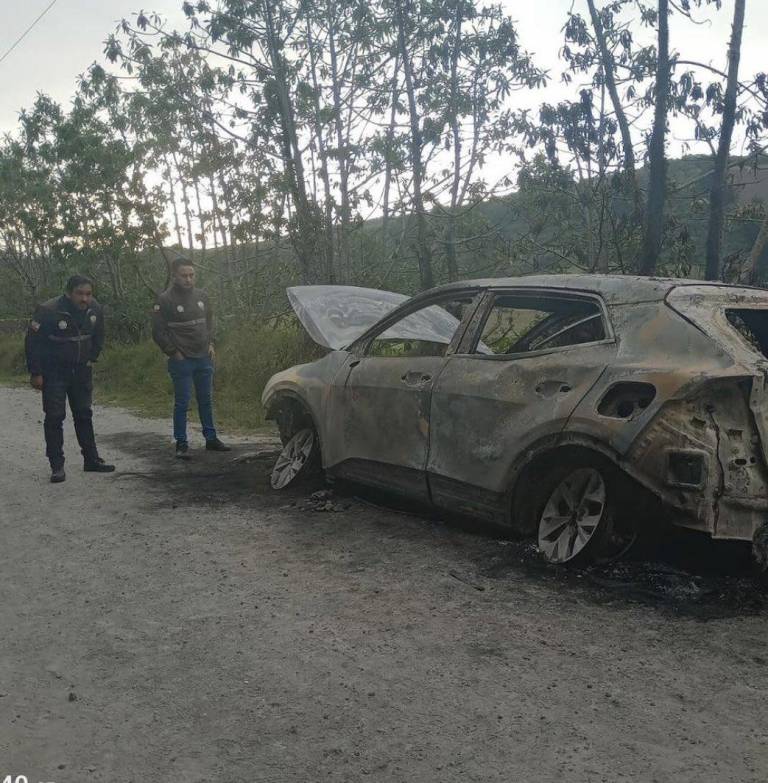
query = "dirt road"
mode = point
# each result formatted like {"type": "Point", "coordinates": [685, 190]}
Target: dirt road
{"type": "Point", "coordinates": [179, 622]}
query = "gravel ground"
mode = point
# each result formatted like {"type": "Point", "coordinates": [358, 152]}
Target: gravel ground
{"type": "Point", "coordinates": [181, 622]}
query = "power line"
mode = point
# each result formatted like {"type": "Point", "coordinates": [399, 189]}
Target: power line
{"type": "Point", "coordinates": [27, 31]}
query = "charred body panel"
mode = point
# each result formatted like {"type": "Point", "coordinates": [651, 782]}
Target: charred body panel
{"type": "Point", "coordinates": [702, 455]}
{"type": "Point", "coordinates": [672, 391]}
{"type": "Point", "coordinates": [304, 389]}
{"type": "Point", "coordinates": [497, 410]}
{"type": "Point", "coordinates": [382, 409]}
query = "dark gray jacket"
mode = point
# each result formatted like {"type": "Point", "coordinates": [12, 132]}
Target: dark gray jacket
{"type": "Point", "coordinates": [182, 320]}
{"type": "Point", "coordinates": [61, 335]}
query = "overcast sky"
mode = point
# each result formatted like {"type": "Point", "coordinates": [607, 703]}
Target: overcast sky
{"type": "Point", "coordinates": [71, 36]}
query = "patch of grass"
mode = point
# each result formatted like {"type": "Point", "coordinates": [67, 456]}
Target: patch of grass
{"type": "Point", "coordinates": [12, 364]}
{"type": "Point", "coordinates": [246, 360]}
{"type": "Point", "coordinates": [135, 376]}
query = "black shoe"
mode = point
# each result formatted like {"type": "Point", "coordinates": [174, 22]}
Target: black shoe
{"type": "Point", "coordinates": [97, 466]}
{"type": "Point", "coordinates": [214, 444]}
{"type": "Point", "coordinates": [182, 450]}
{"type": "Point", "coordinates": [58, 475]}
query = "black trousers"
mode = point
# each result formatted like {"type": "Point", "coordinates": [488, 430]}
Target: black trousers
{"type": "Point", "coordinates": [76, 384]}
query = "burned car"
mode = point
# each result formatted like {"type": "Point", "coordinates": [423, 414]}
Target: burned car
{"type": "Point", "coordinates": [552, 404]}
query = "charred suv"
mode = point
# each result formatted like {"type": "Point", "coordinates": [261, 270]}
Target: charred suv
{"type": "Point", "coordinates": [546, 403]}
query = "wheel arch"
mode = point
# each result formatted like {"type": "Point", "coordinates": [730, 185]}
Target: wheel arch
{"type": "Point", "coordinates": [542, 456]}
{"type": "Point", "coordinates": [290, 411]}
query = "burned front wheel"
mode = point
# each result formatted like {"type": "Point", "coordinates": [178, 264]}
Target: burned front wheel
{"type": "Point", "coordinates": [298, 459]}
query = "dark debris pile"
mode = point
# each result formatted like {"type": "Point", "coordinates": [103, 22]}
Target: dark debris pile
{"type": "Point", "coordinates": [324, 500]}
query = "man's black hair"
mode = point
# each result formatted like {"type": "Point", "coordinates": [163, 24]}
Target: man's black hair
{"type": "Point", "coordinates": [76, 281]}
{"type": "Point", "coordinates": [179, 262]}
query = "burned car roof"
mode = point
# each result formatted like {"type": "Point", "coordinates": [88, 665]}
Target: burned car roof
{"type": "Point", "coordinates": [615, 289]}
{"type": "Point", "coordinates": [336, 315]}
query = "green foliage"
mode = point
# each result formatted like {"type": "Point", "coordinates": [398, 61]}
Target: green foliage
{"type": "Point", "coordinates": [246, 359]}
{"type": "Point", "coordinates": [290, 142]}
{"type": "Point", "coordinates": [135, 376]}
{"type": "Point", "coordinates": [12, 363]}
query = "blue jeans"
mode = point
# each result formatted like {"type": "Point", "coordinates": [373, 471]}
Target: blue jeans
{"type": "Point", "coordinates": [185, 373]}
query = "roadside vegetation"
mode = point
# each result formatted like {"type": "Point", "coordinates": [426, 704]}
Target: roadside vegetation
{"type": "Point", "coordinates": [133, 374]}
{"type": "Point", "coordinates": [390, 145]}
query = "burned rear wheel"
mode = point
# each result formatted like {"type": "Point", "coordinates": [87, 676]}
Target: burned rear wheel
{"type": "Point", "coordinates": [297, 460]}
{"type": "Point", "coordinates": [581, 506]}
{"type": "Point", "coordinates": [575, 515]}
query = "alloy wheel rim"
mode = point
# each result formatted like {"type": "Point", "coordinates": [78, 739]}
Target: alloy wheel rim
{"type": "Point", "coordinates": [293, 458]}
{"type": "Point", "coordinates": [572, 515]}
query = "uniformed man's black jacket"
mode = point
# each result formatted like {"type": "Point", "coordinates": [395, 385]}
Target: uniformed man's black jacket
{"type": "Point", "coordinates": [182, 320]}
{"type": "Point", "coordinates": [60, 334]}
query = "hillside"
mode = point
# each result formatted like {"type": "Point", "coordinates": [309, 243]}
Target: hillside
{"type": "Point", "coordinates": [687, 206]}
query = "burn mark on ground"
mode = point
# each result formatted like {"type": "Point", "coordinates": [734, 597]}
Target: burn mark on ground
{"type": "Point", "coordinates": [676, 571]}
{"type": "Point", "coordinates": [682, 573]}
{"type": "Point", "coordinates": [207, 478]}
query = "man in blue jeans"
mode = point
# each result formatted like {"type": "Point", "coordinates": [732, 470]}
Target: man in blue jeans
{"type": "Point", "coordinates": [182, 325]}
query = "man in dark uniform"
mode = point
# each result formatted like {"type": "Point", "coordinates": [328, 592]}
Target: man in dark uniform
{"type": "Point", "coordinates": [64, 336]}
{"type": "Point", "coordinates": [182, 325]}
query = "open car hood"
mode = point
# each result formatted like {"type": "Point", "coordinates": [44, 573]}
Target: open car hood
{"type": "Point", "coordinates": [336, 315]}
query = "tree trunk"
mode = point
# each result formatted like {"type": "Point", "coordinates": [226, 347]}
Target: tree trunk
{"type": "Point", "coordinates": [423, 249]}
{"type": "Point", "coordinates": [303, 238]}
{"type": "Point", "coordinates": [451, 256]}
{"type": "Point", "coordinates": [330, 276]}
{"type": "Point", "coordinates": [200, 219]}
{"type": "Point", "coordinates": [232, 247]}
{"type": "Point", "coordinates": [174, 208]}
{"type": "Point", "coordinates": [718, 192]}
{"type": "Point", "coordinates": [609, 82]}
{"type": "Point", "coordinates": [223, 260]}
{"type": "Point", "coordinates": [757, 251]}
{"type": "Point", "coordinates": [187, 212]}
{"type": "Point", "coordinates": [609, 72]}
{"type": "Point", "coordinates": [388, 153]}
{"type": "Point", "coordinates": [342, 144]}
{"type": "Point", "coordinates": [657, 160]}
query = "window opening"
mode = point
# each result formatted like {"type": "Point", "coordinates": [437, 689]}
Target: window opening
{"type": "Point", "coordinates": [522, 324]}
{"type": "Point", "coordinates": [425, 332]}
{"type": "Point", "coordinates": [752, 325]}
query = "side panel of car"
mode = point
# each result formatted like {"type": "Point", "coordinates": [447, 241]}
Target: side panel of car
{"type": "Point", "coordinates": [380, 414]}
{"type": "Point", "coordinates": [688, 434]}
{"type": "Point", "coordinates": [487, 408]}
{"type": "Point", "coordinates": [379, 404]}
{"type": "Point", "coordinates": [702, 455]}
{"type": "Point", "coordinates": [309, 384]}
{"type": "Point", "coordinates": [486, 412]}
{"type": "Point", "coordinates": [665, 354]}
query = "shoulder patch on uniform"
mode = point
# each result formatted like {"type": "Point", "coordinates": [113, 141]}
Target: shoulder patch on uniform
{"type": "Point", "coordinates": [62, 324]}
{"type": "Point", "coordinates": [156, 308]}
{"type": "Point", "coordinates": [93, 319]}
{"type": "Point", "coordinates": [201, 304]}
{"type": "Point", "coordinates": [34, 326]}
{"type": "Point", "coordinates": [180, 308]}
